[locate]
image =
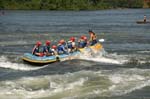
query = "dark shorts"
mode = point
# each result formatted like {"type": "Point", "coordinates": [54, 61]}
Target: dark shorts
{"type": "Point", "coordinates": [93, 42]}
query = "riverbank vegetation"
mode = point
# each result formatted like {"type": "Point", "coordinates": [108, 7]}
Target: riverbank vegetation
{"type": "Point", "coordinates": [69, 4]}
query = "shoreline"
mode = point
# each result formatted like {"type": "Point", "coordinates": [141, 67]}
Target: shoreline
{"type": "Point", "coordinates": [69, 10]}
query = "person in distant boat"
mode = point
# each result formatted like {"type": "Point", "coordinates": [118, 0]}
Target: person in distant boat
{"type": "Point", "coordinates": [36, 49]}
{"type": "Point", "coordinates": [47, 49]}
{"type": "Point", "coordinates": [54, 50]}
{"type": "Point", "coordinates": [93, 38]}
{"type": "Point", "coordinates": [72, 45]}
{"type": "Point", "coordinates": [144, 18]}
{"type": "Point", "coordinates": [61, 47]}
{"type": "Point", "coordinates": [82, 42]}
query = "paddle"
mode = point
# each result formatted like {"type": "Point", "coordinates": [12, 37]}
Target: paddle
{"type": "Point", "coordinates": [101, 40]}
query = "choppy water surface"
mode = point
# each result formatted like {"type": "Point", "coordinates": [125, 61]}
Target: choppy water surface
{"type": "Point", "coordinates": [124, 71]}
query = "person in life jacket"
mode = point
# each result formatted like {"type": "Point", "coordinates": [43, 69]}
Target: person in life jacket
{"type": "Point", "coordinates": [54, 50]}
{"type": "Point", "coordinates": [36, 49]}
{"type": "Point", "coordinates": [82, 42]}
{"type": "Point", "coordinates": [72, 45]}
{"type": "Point", "coordinates": [61, 47]}
{"type": "Point", "coordinates": [47, 49]}
{"type": "Point", "coordinates": [93, 38]}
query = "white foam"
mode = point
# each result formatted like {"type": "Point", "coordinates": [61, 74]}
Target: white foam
{"type": "Point", "coordinates": [104, 60]}
{"type": "Point", "coordinates": [56, 86]}
{"type": "Point", "coordinates": [74, 83]}
{"type": "Point", "coordinates": [79, 82]}
{"type": "Point", "coordinates": [143, 51]}
{"type": "Point", "coordinates": [128, 81]}
{"type": "Point", "coordinates": [103, 57]}
{"type": "Point", "coordinates": [5, 63]}
{"type": "Point", "coordinates": [116, 79]}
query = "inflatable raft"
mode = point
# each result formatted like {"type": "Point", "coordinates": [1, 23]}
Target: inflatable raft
{"type": "Point", "coordinates": [36, 60]}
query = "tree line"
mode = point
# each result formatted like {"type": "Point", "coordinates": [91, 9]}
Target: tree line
{"type": "Point", "coordinates": [69, 4]}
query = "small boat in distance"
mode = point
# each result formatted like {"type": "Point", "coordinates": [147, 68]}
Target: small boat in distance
{"type": "Point", "coordinates": [142, 22]}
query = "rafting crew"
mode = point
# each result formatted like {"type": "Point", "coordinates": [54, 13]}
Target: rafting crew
{"type": "Point", "coordinates": [64, 47]}
{"type": "Point", "coordinates": [93, 38]}
{"type": "Point", "coordinates": [61, 49]}
{"type": "Point", "coordinates": [47, 49]}
{"type": "Point", "coordinates": [54, 50]}
{"type": "Point", "coordinates": [71, 45]}
{"type": "Point", "coordinates": [36, 49]}
{"type": "Point", "coordinates": [82, 42]}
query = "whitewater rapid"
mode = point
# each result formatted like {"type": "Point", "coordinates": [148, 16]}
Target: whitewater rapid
{"type": "Point", "coordinates": [77, 85]}
{"type": "Point", "coordinates": [6, 63]}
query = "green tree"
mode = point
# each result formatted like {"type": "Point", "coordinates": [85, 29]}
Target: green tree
{"type": "Point", "coordinates": [69, 4]}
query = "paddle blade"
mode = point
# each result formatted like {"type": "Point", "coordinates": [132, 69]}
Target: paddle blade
{"type": "Point", "coordinates": [101, 40]}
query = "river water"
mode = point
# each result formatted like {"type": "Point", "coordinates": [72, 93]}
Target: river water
{"type": "Point", "coordinates": [123, 72]}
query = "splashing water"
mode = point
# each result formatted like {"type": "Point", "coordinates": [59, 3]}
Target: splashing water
{"type": "Point", "coordinates": [5, 63]}
{"type": "Point", "coordinates": [76, 85]}
{"type": "Point", "coordinates": [103, 57]}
